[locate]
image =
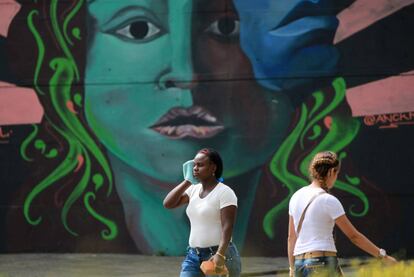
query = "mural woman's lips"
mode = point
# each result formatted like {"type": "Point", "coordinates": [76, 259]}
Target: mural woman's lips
{"type": "Point", "coordinates": [305, 9]}
{"type": "Point", "coordinates": [194, 122]}
{"type": "Point", "coordinates": [307, 26]}
{"type": "Point", "coordinates": [307, 21]}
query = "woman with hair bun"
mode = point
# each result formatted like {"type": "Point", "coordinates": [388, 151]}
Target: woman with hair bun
{"type": "Point", "coordinates": [313, 213]}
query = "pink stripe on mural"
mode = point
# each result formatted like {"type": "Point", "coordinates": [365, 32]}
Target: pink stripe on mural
{"type": "Point", "coordinates": [363, 13]}
{"type": "Point", "coordinates": [19, 105]}
{"type": "Point", "coordinates": [390, 95]}
{"type": "Point", "coordinates": [8, 10]}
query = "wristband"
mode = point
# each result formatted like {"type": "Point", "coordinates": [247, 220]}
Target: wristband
{"type": "Point", "coordinates": [382, 253]}
{"type": "Point", "coordinates": [221, 255]}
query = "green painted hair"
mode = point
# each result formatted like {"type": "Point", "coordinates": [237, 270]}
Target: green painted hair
{"type": "Point", "coordinates": [58, 30]}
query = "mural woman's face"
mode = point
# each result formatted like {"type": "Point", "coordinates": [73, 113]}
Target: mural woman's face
{"type": "Point", "coordinates": [166, 78]}
{"type": "Point", "coordinates": [290, 42]}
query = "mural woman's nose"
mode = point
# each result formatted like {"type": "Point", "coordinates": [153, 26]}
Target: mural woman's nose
{"type": "Point", "coordinates": [180, 73]}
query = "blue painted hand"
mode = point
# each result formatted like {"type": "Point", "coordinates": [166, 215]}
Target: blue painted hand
{"type": "Point", "coordinates": [188, 172]}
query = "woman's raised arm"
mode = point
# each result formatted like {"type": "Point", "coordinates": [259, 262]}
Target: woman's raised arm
{"type": "Point", "coordinates": [177, 196]}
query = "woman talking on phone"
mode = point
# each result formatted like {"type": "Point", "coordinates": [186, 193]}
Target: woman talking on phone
{"type": "Point", "coordinates": [212, 208]}
{"type": "Point", "coordinates": [313, 214]}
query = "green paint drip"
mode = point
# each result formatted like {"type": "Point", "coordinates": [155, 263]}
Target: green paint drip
{"type": "Point", "coordinates": [77, 98]}
{"type": "Point", "coordinates": [27, 141]}
{"type": "Point", "coordinates": [52, 154]}
{"type": "Point", "coordinates": [339, 86]}
{"type": "Point", "coordinates": [75, 31]}
{"type": "Point", "coordinates": [317, 130]}
{"type": "Point", "coordinates": [60, 95]}
{"type": "Point", "coordinates": [359, 194]}
{"type": "Point", "coordinates": [278, 167]}
{"type": "Point", "coordinates": [40, 47]}
{"type": "Point", "coordinates": [98, 181]}
{"type": "Point", "coordinates": [60, 37]}
{"type": "Point", "coordinates": [67, 166]}
{"type": "Point", "coordinates": [112, 231]}
{"type": "Point", "coordinates": [319, 97]}
{"type": "Point", "coordinates": [353, 180]}
{"type": "Point", "coordinates": [41, 145]}
{"type": "Point", "coordinates": [342, 156]}
{"type": "Point", "coordinates": [76, 193]}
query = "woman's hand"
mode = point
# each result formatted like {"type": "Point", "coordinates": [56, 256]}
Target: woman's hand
{"type": "Point", "coordinates": [388, 260]}
{"type": "Point", "coordinates": [291, 271]}
{"type": "Point", "coordinates": [219, 261]}
{"type": "Point", "coordinates": [188, 172]}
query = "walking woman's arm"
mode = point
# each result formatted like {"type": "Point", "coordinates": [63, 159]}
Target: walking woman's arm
{"type": "Point", "coordinates": [228, 217]}
{"type": "Point", "coordinates": [359, 239]}
{"type": "Point", "coordinates": [291, 245]}
{"type": "Point", "coordinates": [177, 196]}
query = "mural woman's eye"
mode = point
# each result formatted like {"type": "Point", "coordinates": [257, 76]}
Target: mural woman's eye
{"type": "Point", "coordinates": [225, 27]}
{"type": "Point", "coordinates": [139, 30]}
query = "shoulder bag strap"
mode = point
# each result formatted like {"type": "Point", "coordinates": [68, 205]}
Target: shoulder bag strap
{"type": "Point", "coordinates": [304, 212]}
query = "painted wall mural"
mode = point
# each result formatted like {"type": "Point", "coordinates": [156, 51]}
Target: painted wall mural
{"type": "Point", "coordinates": [101, 101]}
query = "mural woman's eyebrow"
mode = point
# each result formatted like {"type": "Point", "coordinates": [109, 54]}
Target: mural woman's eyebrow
{"type": "Point", "coordinates": [130, 8]}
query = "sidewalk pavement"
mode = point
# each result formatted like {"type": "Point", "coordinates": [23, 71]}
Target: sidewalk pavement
{"type": "Point", "coordinates": [117, 265]}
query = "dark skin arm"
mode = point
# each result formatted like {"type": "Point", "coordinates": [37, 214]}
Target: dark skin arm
{"type": "Point", "coordinates": [177, 197]}
{"type": "Point", "coordinates": [228, 217]}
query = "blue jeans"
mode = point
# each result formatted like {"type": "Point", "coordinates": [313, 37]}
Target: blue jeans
{"type": "Point", "coordinates": [191, 264]}
{"type": "Point", "coordinates": [327, 265]}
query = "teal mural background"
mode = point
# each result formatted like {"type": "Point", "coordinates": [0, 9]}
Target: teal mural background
{"type": "Point", "coordinates": [129, 90]}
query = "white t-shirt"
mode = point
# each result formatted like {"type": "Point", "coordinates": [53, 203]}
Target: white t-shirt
{"type": "Point", "coordinates": [319, 221]}
{"type": "Point", "coordinates": [204, 214]}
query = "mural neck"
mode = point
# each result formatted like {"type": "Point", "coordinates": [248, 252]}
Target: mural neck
{"type": "Point", "coordinates": [145, 215]}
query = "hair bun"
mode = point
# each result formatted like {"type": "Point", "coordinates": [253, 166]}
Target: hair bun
{"type": "Point", "coordinates": [321, 163]}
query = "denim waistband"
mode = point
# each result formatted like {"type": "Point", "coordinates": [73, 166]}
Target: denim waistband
{"type": "Point", "coordinates": [204, 250]}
